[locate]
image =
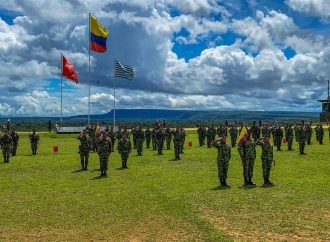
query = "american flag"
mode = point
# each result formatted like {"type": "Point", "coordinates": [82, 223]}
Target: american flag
{"type": "Point", "coordinates": [123, 71]}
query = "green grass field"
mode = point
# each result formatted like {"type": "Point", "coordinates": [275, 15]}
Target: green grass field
{"type": "Point", "coordinates": [46, 197]}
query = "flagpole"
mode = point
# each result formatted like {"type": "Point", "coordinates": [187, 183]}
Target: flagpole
{"type": "Point", "coordinates": [89, 67]}
{"type": "Point", "coordinates": [61, 90]}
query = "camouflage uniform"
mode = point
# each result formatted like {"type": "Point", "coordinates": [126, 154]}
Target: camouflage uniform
{"type": "Point", "coordinates": [301, 133]}
{"type": "Point", "coordinates": [84, 149]}
{"type": "Point", "coordinates": [6, 143]}
{"type": "Point", "coordinates": [320, 134]}
{"type": "Point", "coordinates": [133, 132]}
{"type": "Point", "coordinates": [255, 131]}
{"type": "Point", "coordinates": [222, 130]}
{"type": "Point", "coordinates": [139, 139]}
{"type": "Point", "coordinates": [148, 137]}
{"type": "Point", "coordinates": [168, 138]}
{"type": "Point", "coordinates": [92, 136]}
{"type": "Point", "coordinates": [124, 148]}
{"type": "Point", "coordinates": [177, 140]}
{"type": "Point", "coordinates": [278, 134]}
{"type": "Point", "coordinates": [267, 159]}
{"type": "Point", "coordinates": [224, 155]}
{"type": "Point", "coordinates": [154, 139]}
{"type": "Point", "coordinates": [111, 134]}
{"type": "Point", "coordinates": [210, 135]}
{"type": "Point", "coordinates": [289, 136]}
{"type": "Point", "coordinates": [247, 151]}
{"type": "Point", "coordinates": [104, 148]}
{"type": "Point", "coordinates": [201, 135]}
{"type": "Point", "coordinates": [233, 132]}
{"type": "Point", "coordinates": [15, 138]}
{"type": "Point", "coordinates": [160, 140]}
{"type": "Point", "coordinates": [266, 130]}
{"type": "Point", "coordinates": [309, 133]}
{"type": "Point", "coordinates": [183, 139]}
{"type": "Point", "coordinates": [34, 139]}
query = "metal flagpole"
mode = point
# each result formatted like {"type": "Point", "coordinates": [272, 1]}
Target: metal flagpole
{"type": "Point", "coordinates": [61, 90]}
{"type": "Point", "coordinates": [89, 67]}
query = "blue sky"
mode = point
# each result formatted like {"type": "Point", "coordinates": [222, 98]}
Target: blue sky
{"type": "Point", "coordinates": [187, 54]}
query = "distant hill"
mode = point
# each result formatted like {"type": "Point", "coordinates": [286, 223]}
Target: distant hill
{"type": "Point", "coordinates": [160, 114]}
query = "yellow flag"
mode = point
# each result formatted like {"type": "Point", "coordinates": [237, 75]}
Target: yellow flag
{"type": "Point", "coordinates": [243, 132]}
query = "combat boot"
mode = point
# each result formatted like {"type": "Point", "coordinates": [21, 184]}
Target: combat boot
{"type": "Point", "coordinates": [269, 182]}
{"type": "Point", "coordinates": [246, 182]}
{"type": "Point", "coordinates": [251, 182]}
{"type": "Point", "coordinates": [82, 165]}
{"type": "Point", "coordinates": [225, 182]}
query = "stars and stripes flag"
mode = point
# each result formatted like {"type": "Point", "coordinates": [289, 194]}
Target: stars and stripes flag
{"type": "Point", "coordinates": [123, 71]}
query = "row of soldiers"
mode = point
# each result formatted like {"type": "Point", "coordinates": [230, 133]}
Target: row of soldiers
{"type": "Point", "coordinates": [104, 142]}
{"type": "Point", "coordinates": [301, 132]}
{"type": "Point", "coordinates": [9, 143]}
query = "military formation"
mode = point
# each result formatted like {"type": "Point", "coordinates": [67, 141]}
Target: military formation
{"type": "Point", "coordinates": [161, 137]}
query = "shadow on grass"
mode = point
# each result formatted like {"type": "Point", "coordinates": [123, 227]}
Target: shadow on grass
{"type": "Point", "coordinates": [99, 177]}
{"type": "Point", "coordinates": [220, 188]}
{"type": "Point", "coordinates": [80, 170]}
{"type": "Point", "coordinates": [247, 187]}
{"type": "Point", "coordinates": [121, 168]}
{"type": "Point", "coordinates": [267, 186]}
{"type": "Point", "coordinates": [175, 159]}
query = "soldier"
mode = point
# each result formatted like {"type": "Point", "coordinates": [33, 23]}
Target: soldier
{"type": "Point", "coordinates": [177, 140]}
{"type": "Point", "coordinates": [154, 139]}
{"type": "Point", "coordinates": [160, 140]}
{"type": "Point", "coordinates": [278, 136]}
{"type": "Point", "coordinates": [266, 158]}
{"type": "Point", "coordinates": [255, 131]}
{"type": "Point", "coordinates": [6, 144]}
{"type": "Point", "coordinates": [168, 138]}
{"type": "Point", "coordinates": [8, 125]}
{"type": "Point", "coordinates": [133, 132]}
{"type": "Point", "coordinates": [301, 133]}
{"type": "Point", "coordinates": [148, 137]}
{"type": "Point", "coordinates": [309, 133]}
{"type": "Point", "coordinates": [320, 134]}
{"type": "Point", "coordinates": [247, 151]}
{"type": "Point", "coordinates": [222, 130]}
{"type": "Point", "coordinates": [140, 137]}
{"type": "Point", "coordinates": [125, 131]}
{"type": "Point", "coordinates": [34, 139]}
{"type": "Point", "coordinates": [104, 148]}
{"type": "Point", "coordinates": [84, 149]}
{"type": "Point", "coordinates": [111, 134]}
{"type": "Point", "coordinates": [124, 149]}
{"type": "Point", "coordinates": [118, 134]}
{"type": "Point", "coordinates": [183, 139]}
{"type": "Point", "coordinates": [289, 136]}
{"type": "Point", "coordinates": [266, 130]}
{"type": "Point", "coordinates": [296, 127]}
{"type": "Point", "coordinates": [92, 136]}
{"type": "Point", "coordinates": [233, 132]}
{"type": "Point", "coordinates": [209, 136]}
{"type": "Point", "coordinates": [49, 123]}
{"type": "Point", "coordinates": [200, 132]}
{"type": "Point", "coordinates": [224, 155]}
{"type": "Point", "coordinates": [15, 138]}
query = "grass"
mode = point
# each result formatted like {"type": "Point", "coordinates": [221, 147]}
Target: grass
{"type": "Point", "coordinates": [46, 197]}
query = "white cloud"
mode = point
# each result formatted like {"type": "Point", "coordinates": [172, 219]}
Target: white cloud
{"type": "Point", "coordinates": [319, 8]}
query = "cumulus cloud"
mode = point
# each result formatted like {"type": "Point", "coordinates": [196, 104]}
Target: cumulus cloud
{"type": "Point", "coordinates": [318, 8]}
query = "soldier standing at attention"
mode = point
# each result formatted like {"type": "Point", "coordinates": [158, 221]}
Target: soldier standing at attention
{"type": "Point", "coordinates": [320, 134]}
{"type": "Point", "coordinates": [266, 158]}
{"type": "Point", "coordinates": [133, 132]}
{"type": "Point", "coordinates": [124, 149]}
{"type": "Point", "coordinates": [233, 132]}
{"type": "Point", "coordinates": [148, 137]}
{"type": "Point", "coordinates": [309, 133]}
{"type": "Point", "coordinates": [84, 149]}
{"type": "Point", "coordinates": [6, 143]}
{"type": "Point", "coordinates": [154, 139]}
{"type": "Point", "coordinates": [140, 137]}
{"type": "Point", "coordinates": [104, 148]}
{"type": "Point", "coordinates": [15, 138]}
{"type": "Point", "coordinates": [301, 133]}
{"type": "Point", "coordinates": [160, 140]}
{"type": "Point", "coordinates": [289, 136]}
{"type": "Point", "coordinates": [278, 134]}
{"type": "Point", "coordinates": [255, 131]}
{"type": "Point", "coordinates": [49, 123]}
{"type": "Point", "coordinates": [168, 138]}
{"type": "Point", "coordinates": [92, 136]}
{"type": "Point", "coordinates": [34, 139]}
{"type": "Point", "coordinates": [209, 136]}
{"type": "Point", "coordinates": [177, 139]}
{"type": "Point", "coordinates": [200, 135]}
{"type": "Point", "coordinates": [111, 134]}
{"type": "Point", "coordinates": [224, 155]}
{"type": "Point", "coordinates": [247, 151]}
{"type": "Point", "coordinates": [183, 132]}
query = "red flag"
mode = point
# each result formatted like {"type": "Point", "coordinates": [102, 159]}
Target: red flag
{"type": "Point", "coordinates": [68, 70]}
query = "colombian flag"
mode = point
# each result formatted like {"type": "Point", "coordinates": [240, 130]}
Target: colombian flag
{"type": "Point", "coordinates": [98, 36]}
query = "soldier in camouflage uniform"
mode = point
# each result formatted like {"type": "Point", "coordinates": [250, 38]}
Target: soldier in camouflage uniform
{"type": "Point", "coordinates": [124, 149]}
{"type": "Point", "coordinates": [224, 155]}
{"type": "Point", "coordinates": [183, 139]}
{"type": "Point", "coordinates": [210, 136]}
{"type": "Point", "coordinates": [154, 139]}
{"type": "Point", "coordinates": [177, 140]}
{"type": "Point", "coordinates": [266, 130]}
{"type": "Point", "coordinates": [92, 136]}
{"type": "Point", "coordinates": [222, 130]}
{"type": "Point", "coordinates": [111, 134]}
{"type": "Point", "coordinates": [301, 133]}
{"type": "Point", "coordinates": [233, 132]}
{"type": "Point", "coordinates": [266, 158]}
{"type": "Point", "coordinates": [168, 138]}
{"type": "Point", "coordinates": [160, 136]}
{"type": "Point", "coordinates": [296, 127]}
{"type": "Point", "coordinates": [104, 148]}
{"type": "Point", "coordinates": [289, 136]}
{"type": "Point", "coordinates": [133, 132]}
{"type": "Point", "coordinates": [118, 134]}
{"type": "Point", "coordinates": [200, 132]}
{"type": "Point", "coordinates": [84, 149]}
{"type": "Point", "coordinates": [34, 139]}
{"type": "Point", "coordinates": [247, 151]}
{"type": "Point", "coordinates": [255, 131]}
{"type": "Point", "coordinates": [6, 144]}
{"type": "Point", "coordinates": [15, 137]}
{"type": "Point", "coordinates": [140, 137]}
{"type": "Point", "coordinates": [320, 133]}
{"type": "Point", "coordinates": [278, 135]}
{"type": "Point", "coordinates": [148, 137]}
{"type": "Point", "coordinates": [309, 133]}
